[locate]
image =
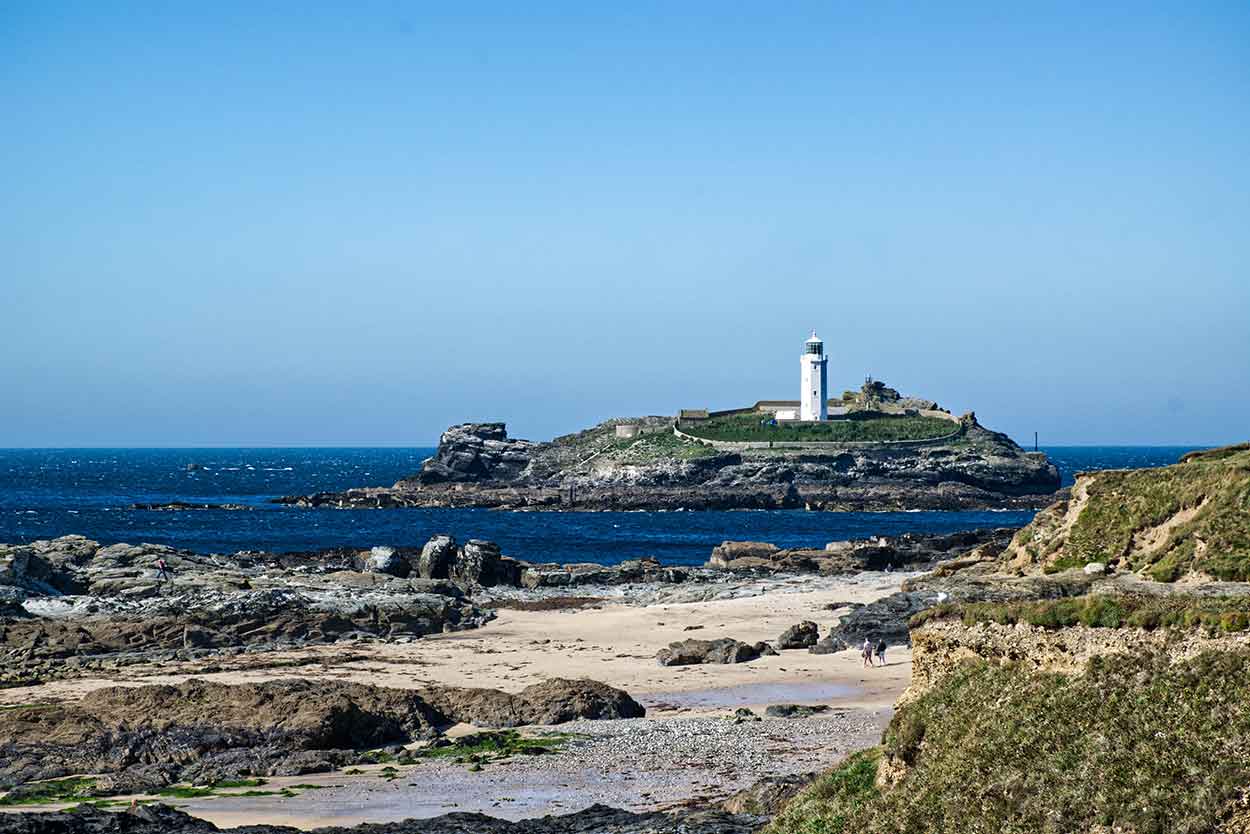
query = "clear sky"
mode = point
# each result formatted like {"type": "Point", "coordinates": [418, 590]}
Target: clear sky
{"type": "Point", "coordinates": [310, 222]}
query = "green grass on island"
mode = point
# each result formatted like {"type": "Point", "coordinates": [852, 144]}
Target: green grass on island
{"type": "Point", "coordinates": [1214, 615]}
{"type": "Point", "coordinates": [659, 445]}
{"type": "Point", "coordinates": [1137, 743]}
{"type": "Point", "coordinates": [755, 427]}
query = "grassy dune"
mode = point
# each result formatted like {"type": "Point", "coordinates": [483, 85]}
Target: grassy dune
{"type": "Point", "coordinates": [1136, 743]}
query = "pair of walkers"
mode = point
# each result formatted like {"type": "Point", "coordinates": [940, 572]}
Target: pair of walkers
{"type": "Point", "coordinates": [867, 652]}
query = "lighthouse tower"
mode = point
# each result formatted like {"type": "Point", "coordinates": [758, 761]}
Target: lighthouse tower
{"type": "Point", "coordinates": [814, 394]}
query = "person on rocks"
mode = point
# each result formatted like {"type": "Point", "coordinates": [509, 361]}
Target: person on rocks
{"type": "Point", "coordinates": [867, 652]}
{"type": "Point", "coordinates": [163, 572]}
{"type": "Point", "coordinates": [881, 647]}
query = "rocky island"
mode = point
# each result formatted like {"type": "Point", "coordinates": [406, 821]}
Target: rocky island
{"type": "Point", "coordinates": [881, 452]}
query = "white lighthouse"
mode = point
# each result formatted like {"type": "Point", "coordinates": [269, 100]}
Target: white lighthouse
{"type": "Point", "coordinates": [815, 391]}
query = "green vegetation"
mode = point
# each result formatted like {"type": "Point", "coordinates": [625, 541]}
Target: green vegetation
{"type": "Point", "coordinates": [830, 803]}
{"type": "Point", "coordinates": [480, 748]}
{"type": "Point", "coordinates": [82, 789]}
{"type": "Point", "coordinates": [753, 427]}
{"type": "Point", "coordinates": [71, 789]}
{"type": "Point", "coordinates": [215, 788]}
{"type": "Point", "coordinates": [660, 445]}
{"type": "Point", "coordinates": [1163, 523]}
{"type": "Point", "coordinates": [1212, 614]}
{"type": "Point", "coordinates": [377, 757]}
{"type": "Point", "coordinates": [240, 783]}
{"type": "Point", "coordinates": [186, 791]}
{"type": "Point", "coordinates": [1136, 743]}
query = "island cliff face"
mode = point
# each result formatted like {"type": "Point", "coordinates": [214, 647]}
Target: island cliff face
{"type": "Point", "coordinates": [478, 465]}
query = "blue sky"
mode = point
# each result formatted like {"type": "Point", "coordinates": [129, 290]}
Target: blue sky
{"type": "Point", "coordinates": [360, 223]}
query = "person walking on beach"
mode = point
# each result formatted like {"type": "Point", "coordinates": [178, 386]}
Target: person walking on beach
{"type": "Point", "coordinates": [867, 652]}
{"type": "Point", "coordinates": [881, 647]}
{"type": "Point", "coordinates": [163, 572]}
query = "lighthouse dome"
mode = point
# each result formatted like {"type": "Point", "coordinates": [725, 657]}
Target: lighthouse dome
{"type": "Point", "coordinates": [813, 338]}
{"type": "Point", "coordinates": [814, 345]}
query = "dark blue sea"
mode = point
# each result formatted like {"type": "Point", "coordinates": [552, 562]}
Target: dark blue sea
{"type": "Point", "coordinates": [53, 492]}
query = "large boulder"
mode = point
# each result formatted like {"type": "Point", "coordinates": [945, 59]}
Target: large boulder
{"type": "Point", "coordinates": [437, 558]}
{"type": "Point", "coordinates": [801, 636]}
{"type": "Point", "coordinates": [724, 650]}
{"type": "Point", "coordinates": [476, 564]}
{"type": "Point", "coordinates": [386, 560]}
{"type": "Point", "coordinates": [553, 701]}
{"type": "Point", "coordinates": [727, 552]}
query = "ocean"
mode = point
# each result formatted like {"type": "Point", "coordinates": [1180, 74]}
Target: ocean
{"type": "Point", "coordinates": [53, 492]}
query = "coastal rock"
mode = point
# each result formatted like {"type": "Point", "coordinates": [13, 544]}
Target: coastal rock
{"type": "Point", "coordinates": [723, 650]}
{"type": "Point", "coordinates": [727, 552]}
{"type": "Point", "coordinates": [201, 731]}
{"type": "Point", "coordinates": [794, 710]}
{"type": "Point", "coordinates": [881, 553]}
{"type": "Point", "coordinates": [96, 605]}
{"type": "Point", "coordinates": [801, 636]}
{"type": "Point", "coordinates": [767, 796]}
{"type": "Point", "coordinates": [386, 560]}
{"type": "Point", "coordinates": [437, 558]}
{"type": "Point", "coordinates": [829, 644]}
{"type": "Point", "coordinates": [480, 564]}
{"type": "Point", "coordinates": [597, 819]}
{"type": "Point", "coordinates": [553, 701]}
{"type": "Point", "coordinates": [198, 728]}
{"type": "Point", "coordinates": [476, 451]}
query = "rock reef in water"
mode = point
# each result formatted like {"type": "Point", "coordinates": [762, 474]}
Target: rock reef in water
{"type": "Point", "coordinates": [478, 465]}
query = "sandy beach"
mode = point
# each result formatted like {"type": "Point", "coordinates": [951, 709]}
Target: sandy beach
{"type": "Point", "coordinates": [687, 747]}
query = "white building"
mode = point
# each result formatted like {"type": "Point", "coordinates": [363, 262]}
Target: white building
{"type": "Point", "coordinates": [814, 395]}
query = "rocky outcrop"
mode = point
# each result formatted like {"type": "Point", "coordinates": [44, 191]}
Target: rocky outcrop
{"type": "Point", "coordinates": [590, 573]}
{"type": "Point", "coordinates": [150, 736]}
{"type": "Point", "coordinates": [767, 796]}
{"type": "Point", "coordinates": [800, 636]}
{"type": "Point", "coordinates": [795, 710]}
{"type": "Point", "coordinates": [476, 465]}
{"type": "Point", "coordinates": [437, 558]}
{"type": "Point", "coordinates": [724, 650]}
{"type": "Point", "coordinates": [910, 551]}
{"type": "Point", "coordinates": [476, 452]}
{"type": "Point", "coordinates": [553, 701]}
{"type": "Point", "coordinates": [597, 819]}
{"type": "Point", "coordinates": [888, 618]}
{"type": "Point", "coordinates": [72, 606]}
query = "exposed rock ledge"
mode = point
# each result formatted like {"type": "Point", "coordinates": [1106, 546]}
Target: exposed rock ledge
{"type": "Point", "coordinates": [478, 465]}
{"type": "Point", "coordinates": [145, 738]}
{"type": "Point", "coordinates": [70, 606]}
{"type": "Point", "coordinates": [597, 819]}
